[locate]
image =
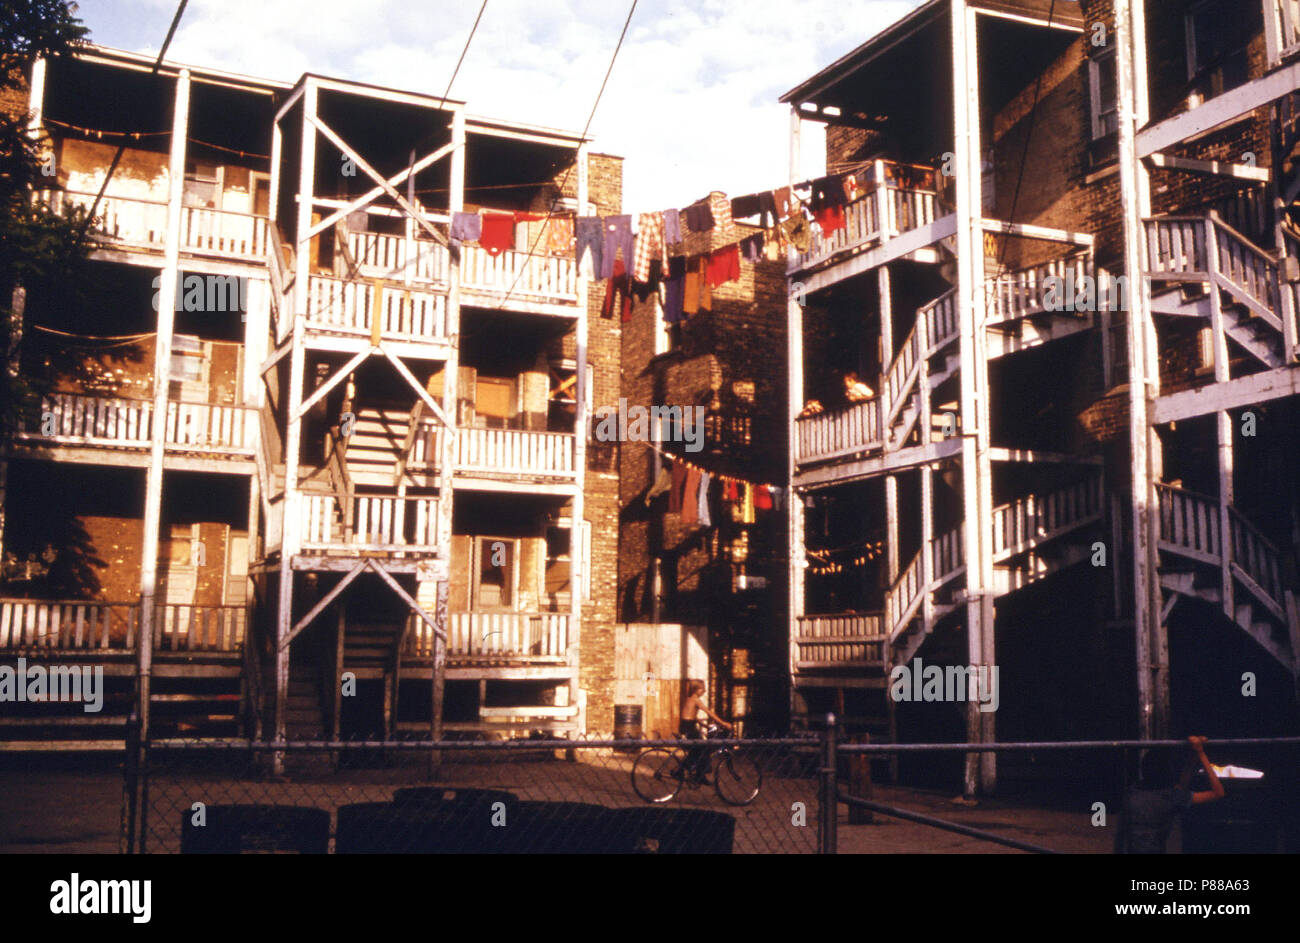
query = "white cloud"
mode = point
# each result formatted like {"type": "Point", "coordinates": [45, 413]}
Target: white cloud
{"type": "Point", "coordinates": [691, 104]}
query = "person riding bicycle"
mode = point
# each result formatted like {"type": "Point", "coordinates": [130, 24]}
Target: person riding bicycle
{"type": "Point", "coordinates": [691, 726]}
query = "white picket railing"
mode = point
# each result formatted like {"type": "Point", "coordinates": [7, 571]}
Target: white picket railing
{"type": "Point", "coordinates": [882, 214]}
{"type": "Point", "coordinates": [504, 451]}
{"type": "Point", "coordinates": [512, 636]}
{"type": "Point", "coordinates": [1027, 291]}
{"type": "Point", "coordinates": [1189, 523]}
{"type": "Point", "coordinates": [29, 625]}
{"type": "Point", "coordinates": [1026, 522]}
{"type": "Point", "coordinates": [841, 640]}
{"type": "Point", "coordinates": [525, 276]}
{"type": "Point", "coordinates": [841, 432]}
{"type": "Point", "coordinates": [142, 223]}
{"type": "Point", "coordinates": [79, 419]}
{"type": "Point", "coordinates": [378, 522]}
{"type": "Point", "coordinates": [385, 256]}
{"type": "Point", "coordinates": [346, 306]}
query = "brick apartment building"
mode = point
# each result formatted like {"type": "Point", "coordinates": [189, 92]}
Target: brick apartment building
{"type": "Point", "coordinates": [239, 450]}
{"type": "Point", "coordinates": [1101, 499]}
{"type": "Point", "coordinates": [716, 589]}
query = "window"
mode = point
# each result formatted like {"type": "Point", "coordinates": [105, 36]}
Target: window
{"type": "Point", "coordinates": [494, 402]}
{"type": "Point", "coordinates": [495, 572]}
{"type": "Point", "coordinates": [1104, 92]}
{"type": "Point", "coordinates": [558, 562]}
{"type": "Point", "coordinates": [1217, 33]}
{"type": "Point", "coordinates": [202, 184]}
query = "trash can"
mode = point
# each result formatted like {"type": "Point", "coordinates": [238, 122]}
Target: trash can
{"type": "Point", "coordinates": [378, 828]}
{"type": "Point", "coordinates": [627, 722]}
{"type": "Point", "coordinates": [674, 831]}
{"type": "Point", "coordinates": [558, 828]}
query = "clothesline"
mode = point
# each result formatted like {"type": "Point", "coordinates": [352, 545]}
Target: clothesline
{"type": "Point", "coordinates": [712, 474]}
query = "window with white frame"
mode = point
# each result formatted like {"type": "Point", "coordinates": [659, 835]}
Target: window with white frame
{"type": "Point", "coordinates": [1103, 92]}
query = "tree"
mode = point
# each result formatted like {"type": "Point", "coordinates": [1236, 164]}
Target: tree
{"type": "Point", "coordinates": [39, 249]}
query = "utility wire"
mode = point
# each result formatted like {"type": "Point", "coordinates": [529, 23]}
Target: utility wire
{"type": "Point", "coordinates": [532, 251]}
{"type": "Point", "coordinates": [121, 148]}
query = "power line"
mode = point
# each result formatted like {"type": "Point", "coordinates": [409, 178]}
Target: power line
{"type": "Point", "coordinates": [532, 251]}
{"type": "Point", "coordinates": [121, 148]}
{"type": "Point", "coordinates": [456, 71]}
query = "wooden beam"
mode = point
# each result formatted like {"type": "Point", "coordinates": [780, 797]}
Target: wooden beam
{"type": "Point", "coordinates": [373, 174]}
{"type": "Point", "coordinates": [438, 631]}
{"type": "Point", "coordinates": [338, 377]}
{"type": "Point", "coordinates": [1219, 110]}
{"type": "Point", "coordinates": [324, 602]}
{"type": "Point", "coordinates": [1212, 167]}
{"type": "Point", "coordinates": [370, 195]}
{"type": "Point", "coordinates": [420, 391]}
{"type": "Point", "coordinates": [1030, 231]}
{"type": "Point", "coordinates": [1232, 394]}
{"type": "Point", "coordinates": [845, 473]}
{"type": "Point", "coordinates": [896, 248]}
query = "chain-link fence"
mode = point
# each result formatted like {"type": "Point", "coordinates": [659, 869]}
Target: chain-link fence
{"type": "Point", "coordinates": [519, 796]}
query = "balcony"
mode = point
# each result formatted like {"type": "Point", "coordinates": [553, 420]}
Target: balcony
{"type": "Point", "coordinates": [541, 278]}
{"type": "Point", "coordinates": [76, 419]}
{"type": "Point", "coordinates": [887, 210]}
{"type": "Point", "coordinates": [369, 523]}
{"type": "Point", "coordinates": [1281, 29]}
{"type": "Point", "coordinates": [139, 224]}
{"type": "Point", "coordinates": [527, 637]}
{"type": "Point", "coordinates": [845, 640]}
{"type": "Point", "coordinates": [347, 307]}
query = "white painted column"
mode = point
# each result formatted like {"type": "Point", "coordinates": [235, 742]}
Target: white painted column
{"type": "Point", "coordinates": [976, 465]}
{"type": "Point", "coordinates": [1152, 648]}
{"type": "Point", "coordinates": [579, 562]}
{"type": "Point", "coordinates": [161, 387]}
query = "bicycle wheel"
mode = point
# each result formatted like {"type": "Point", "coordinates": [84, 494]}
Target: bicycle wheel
{"type": "Point", "coordinates": [657, 775]}
{"type": "Point", "coordinates": [736, 778]}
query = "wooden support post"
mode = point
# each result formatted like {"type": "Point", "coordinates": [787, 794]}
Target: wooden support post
{"type": "Point", "coordinates": [796, 517]}
{"type": "Point", "coordinates": [161, 387]}
{"type": "Point", "coordinates": [291, 527]}
{"type": "Point", "coordinates": [579, 565]}
{"type": "Point", "coordinates": [1223, 430]}
{"type": "Point", "coordinates": [336, 702]}
{"type": "Point", "coordinates": [975, 457]}
{"type": "Point", "coordinates": [1151, 641]}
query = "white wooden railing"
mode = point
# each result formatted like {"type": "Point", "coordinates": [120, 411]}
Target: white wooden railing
{"type": "Point", "coordinates": [883, 213]}
{"type": "Point", "coordinates": [521, 636]}
{"type": "Point", "coordinates": [842, 432]}
{"type": "Point", "coordinates": [346, 306]}
{"type": "Point", "coordinates": [908, 592]}
{"type": "Point", "coordinates": [378, 522]}
{"type": "Point", "coordinates": [1189, 523]}
{"type": "Point", "coordinates": [842, 640]}
{"type": "Point", "coordinates": [79, 419]}
{"type": "Point", "coordinates": [114, 628]}
{"type": "Point", "coordinates": [541, 276]}
{"type": "Point", "coordinates": [504, 451]}
{"type": "Point", "coordinates": [1022, 524]}
{"type": "Point", "coordinates": [142, 223]}
{"type": "Point", "coordinates": [1025, 292]}
{"type": "Point", "coordinates": [385, 256]}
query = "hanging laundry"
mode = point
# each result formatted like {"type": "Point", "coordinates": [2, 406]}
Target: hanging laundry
{"type": "Point", "coordinates": [691, 498]}
{"type": "Point", "coordinates": [724, 266]}
{"type": "Point", "coordinates": [798, 231]}
{"type": "Point", "coordinates": [662, 483]}
{"type": "Point", "coordinates": [675, 289]}
{"type": "Point", "coordinates": [830, 219]}
{"type": "Point", "coordinates": [467, 227]}
{"type": "Point", "coordinates": [498, 232]}
{"type": "Point", "coordinates": [649, 244]}
{"type": "Point", "coordinates": [850, 187]}
{"type": "Point", "coordinates": [724, 231]}
{"type": "Point", "coordinates": [699, 218]}
{"type": "Point", "coordinates": [559, 235]}
{"type": "Point", "coordinates": [679, 486]}
{"type": "Point", "coordinates": [618, 292]}
{"type": "Point", "coordinates": [618, 237]}
{"type": "Point", "coordinates": [762, 498]}
{"type": "Point", "coordinates": [775, 244]}
{"type": "Point", "coordinates": [743, 207]}
{"type": "Point", "coordinates": [827, 191]}
{"type": "Point", "coordinates": [703, 511]}
{"type": "Point", "coordinates": [784, 202]}
{"type": "Point", "coordinates": [641, 290]}
{"type": "Point", "coordinates": [751, 247]}
{"type": "Point", "coordinates": [672, 231]}
{"type": "Point", "coordinates": [702, 284]}
{"type": "Point", "coordinates": [767, 210]}
{"type": "Point", "coordinates": [590, 237]}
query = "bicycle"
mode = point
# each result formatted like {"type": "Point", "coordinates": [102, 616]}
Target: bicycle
{"type": "Point", "coordinates": [659, 773]}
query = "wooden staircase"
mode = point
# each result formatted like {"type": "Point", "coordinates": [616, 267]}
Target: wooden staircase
{"type": "Point", "coordinates": [1245, 582]}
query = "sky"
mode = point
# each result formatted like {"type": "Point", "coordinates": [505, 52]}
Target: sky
{"type": "Point", "coordinates": [692, 103]}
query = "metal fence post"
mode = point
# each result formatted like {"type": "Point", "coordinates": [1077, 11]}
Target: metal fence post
{"type": "Point", "coordinates": [830, 789]}
{"type": "Point", "coordinates": [130, 786]}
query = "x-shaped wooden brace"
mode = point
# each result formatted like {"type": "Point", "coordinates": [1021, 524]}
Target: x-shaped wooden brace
{"type": "Point", "coordinates": [352, 574]}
